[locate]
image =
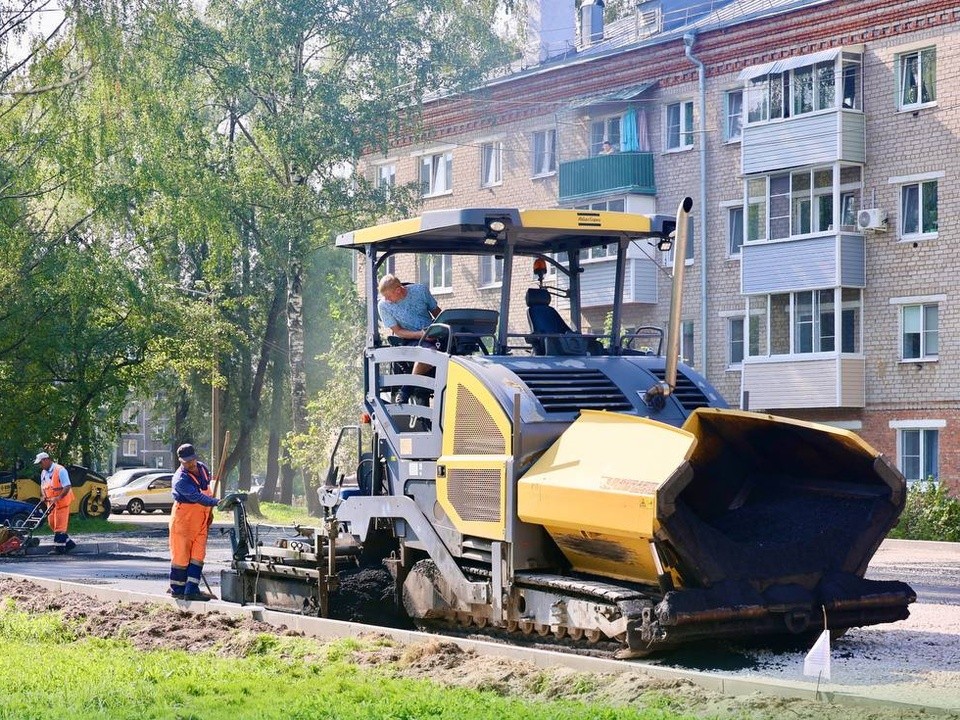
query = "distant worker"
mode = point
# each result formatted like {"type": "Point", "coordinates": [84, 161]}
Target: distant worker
{"type": "Point", "coordinates": [189, 523]}
{"type": "Point", "coordinates": [606, 148]}
{"type": "Point", "coordinates": [408, 310]}
{"type": "Point", "coordinates": [57, 494]}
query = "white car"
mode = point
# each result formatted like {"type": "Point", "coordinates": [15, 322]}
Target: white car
{"type": "Point", "coordinates": [150, 492]}
{"type": "Point", "coordinates": [128, 475]}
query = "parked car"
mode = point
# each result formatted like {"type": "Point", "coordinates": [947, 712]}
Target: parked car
{"type": "Point", "coordinates": [146, 493]}
{"type": "Point", "coordinates": [128, 475]}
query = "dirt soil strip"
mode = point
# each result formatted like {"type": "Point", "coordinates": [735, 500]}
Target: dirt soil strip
{"type": "Point", "coordinates": [153, 623]}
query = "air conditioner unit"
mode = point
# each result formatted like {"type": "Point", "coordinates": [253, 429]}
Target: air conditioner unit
{"type": "Point", "coordinates": [872, 219]}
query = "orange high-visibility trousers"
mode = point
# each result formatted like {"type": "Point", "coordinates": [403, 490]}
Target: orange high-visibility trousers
{"type": "Point", "coordinates": [59, 516]}
{"type": "Point", "coordinates": [189, 524]}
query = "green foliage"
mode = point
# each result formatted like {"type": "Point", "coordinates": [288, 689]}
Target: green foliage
{"type": "Point", "coordinates": [930, 514]}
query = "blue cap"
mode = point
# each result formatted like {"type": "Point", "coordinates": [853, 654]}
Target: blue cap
{"type": "Point", "coordinates": [186, 452]}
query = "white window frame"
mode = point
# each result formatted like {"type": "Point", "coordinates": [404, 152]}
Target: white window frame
{"type": "Point", "coordinates": [735, 253]}
{"type": "Point", "coordinates": [130, 447]}
{"type": "Point", "coordinates": [387, 180]}
{"type": "Point", "coordinates": [428, 273]}
{"type": "Point", "coordinates": [610, 124]}
{"type": "Point", "coordinates": [925, 333]}
{"type": "Point", "coordinates": [668, 256]}
{"type": "Point", "coordinates": [732, 122]}
{"type": "Point", "coordinates": [491, 163]}
{"type": "Point", "coordinates": [685, 120]}
{"type": "Point", "coordinates": [923, 56]}
{"type": "Point", "coordinates": [922, 184]}
{"type": "Point", "coordinates": [922, 427]}
{"type": "Point", "coordinates": [491, 271]}
{"type": "Point", "coordinates": [758, 91]}
{"type": "Point", "coordinates": [817, 331]}
{"type": "Point", "coordinates": [540, 167]}
{"type": "Point", "coordinates": [441, 168]}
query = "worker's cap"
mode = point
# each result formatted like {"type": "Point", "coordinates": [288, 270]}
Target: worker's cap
{"type": "Point", "coordinates": [40, 456]}
{"type": "Point", "coordinates": [186, 452]}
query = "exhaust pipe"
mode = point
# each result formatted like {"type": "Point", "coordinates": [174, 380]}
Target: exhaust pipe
{"type": "Point", "coordinates": [656, 396]}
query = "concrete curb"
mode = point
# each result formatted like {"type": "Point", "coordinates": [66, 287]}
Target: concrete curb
{"type": "Point", "coordinates": [334, 629]}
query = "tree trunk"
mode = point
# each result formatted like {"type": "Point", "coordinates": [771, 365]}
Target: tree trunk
{"type": "Point", "coordinates": [271, 481]}
{"type": "Point", "coordinates": [298, 374]}
{"type": "Point", "coordinates": [180, 412]}
{"type": "Point", "coordinates": [286, 481]}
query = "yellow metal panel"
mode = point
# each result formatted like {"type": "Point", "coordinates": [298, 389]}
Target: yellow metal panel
{"type": "Point", "coordinates": [376, 233]}
{"type": "Point", "coordinates": [595, 490]}
{"type": "Point", "coordinates": [584, 220]}
{"type": "Point", "coordinates": [460, 379]}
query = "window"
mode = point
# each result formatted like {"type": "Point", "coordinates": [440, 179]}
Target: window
{"type": "Point", "coordinates": [921, 338]}
{"type": "Point", "coordinates": [679, 126]}
{"type": "Point", "coordinates": [733, 108]}
{"type": "Point", "coordinates": [491, 164]}
{"type": "Point", "coordinates": [436, 173]}
{"type": "Point", "coordinates": [491, 270]}
{"type": "Point", "coordinates": [737, 349]}
{"type": "Point", "coordinates": [814, 326]}
{"type": "Point", "coordinates": [918, 208]}
{"type": "Point", "coordinates": [919, 453]}
{"type": "Point", "coordinates": [386, 177]}
{"type": "Point", "coordinates": [851, 82]}
{"type": "Point", "coordinates": [734, 230]}
{"type": "Point", "coordinates": [130, 448]}
{"type": "Point", "coordinates": [605, 129]}
{"type": "Point", "coordinates": [798, 203]}
{"type": "Point", "coordinates": [388, 267]}
{"type": "Point", "coordinates": [806, 322]}
{"type": "Point", "coordinates": [917, 78]}
{"type": "Point", "coordinates": [802, 90]}
{"type": "Point", "coordinates": [436, 271]}
{"type": "Point", "coordinates": [756, 209]}
{"type": "Point", "coordinates": [544, 152]}
{"type": "Point", "coordinates": [686, 342]}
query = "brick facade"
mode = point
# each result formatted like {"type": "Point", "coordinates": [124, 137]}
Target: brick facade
{"type": "Point", "coordinates": [899, 144]}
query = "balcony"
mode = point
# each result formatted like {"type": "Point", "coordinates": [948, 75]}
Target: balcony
{"type": "Point", "coordinates": [805, 382]}
{"type": "Point", "coordinates": [814, 139]}
{"type": "Point", "coordinates": [809, 263]}
{"type": "Point", "coordinates": [629, 172]}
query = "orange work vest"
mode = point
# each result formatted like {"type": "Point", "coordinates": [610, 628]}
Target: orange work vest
{"type": "Point", "coordinates": [53, 486]}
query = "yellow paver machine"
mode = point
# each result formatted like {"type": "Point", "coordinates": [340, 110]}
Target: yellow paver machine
{"type": "Point", "coordinates": [588, 487]}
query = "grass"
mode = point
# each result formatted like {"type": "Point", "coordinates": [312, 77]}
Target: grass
{"type": "Point", "coordinates": [279, 514]}
{"type": "Point", "coordinates": [88, 526]}
{"type": "Point", "coordinates": [276, 678]}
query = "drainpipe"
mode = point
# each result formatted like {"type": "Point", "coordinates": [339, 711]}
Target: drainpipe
{"type": "Point", "coordinates": [688, 41]}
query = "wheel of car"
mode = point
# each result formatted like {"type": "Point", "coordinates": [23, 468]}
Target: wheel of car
{"type": "Point", "coordinates": [94, 507]}
{"type": "Point", "coordinates": [135, 506]}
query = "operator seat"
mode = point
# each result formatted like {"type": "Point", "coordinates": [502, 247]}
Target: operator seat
{"type": "Point", "coordinates": [545, 321]}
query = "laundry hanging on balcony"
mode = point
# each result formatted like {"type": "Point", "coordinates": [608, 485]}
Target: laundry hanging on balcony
{"type": "Point", "coordinates": [633, 132]}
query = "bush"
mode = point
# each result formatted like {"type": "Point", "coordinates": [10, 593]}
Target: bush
{"type": "Point", "coordinates": [930, 514]}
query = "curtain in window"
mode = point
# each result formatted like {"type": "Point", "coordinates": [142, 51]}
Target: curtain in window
{"type": "Point", "coordinates": [629, 137]}
{"type": "Point", "coordinates": [909, 71]}
{"type": "Point", "coordinates": [928, 75]}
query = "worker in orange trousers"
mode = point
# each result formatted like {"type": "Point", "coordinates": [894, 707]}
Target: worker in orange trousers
{"type": "Point", "coordinates": [57, 494]}
{"type": "Point", "coordinates": [189, 523]}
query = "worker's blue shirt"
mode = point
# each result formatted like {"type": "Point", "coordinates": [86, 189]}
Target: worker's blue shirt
{"type": "Point", "coordinates": [186, 488]}
{"type": "Point", "coordinates": [410, 313]}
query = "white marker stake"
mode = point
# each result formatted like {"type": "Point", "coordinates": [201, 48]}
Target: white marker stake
{"type": "Point", "coordinates": [817, 661]}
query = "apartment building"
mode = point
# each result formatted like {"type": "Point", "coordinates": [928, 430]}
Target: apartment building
{"type": "Point", "coordinates": [817, 139]}
{"type": "Point", "coordinates": [143, 441]}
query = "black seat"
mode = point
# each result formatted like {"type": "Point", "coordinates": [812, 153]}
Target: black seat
{"type": "Point", "coordinates": [460, 331]}
{"type": "Point", "coordinates": [555, 336]}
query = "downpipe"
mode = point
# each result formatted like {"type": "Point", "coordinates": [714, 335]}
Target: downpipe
{"type": "Point", "coordinates": [688, 41]}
